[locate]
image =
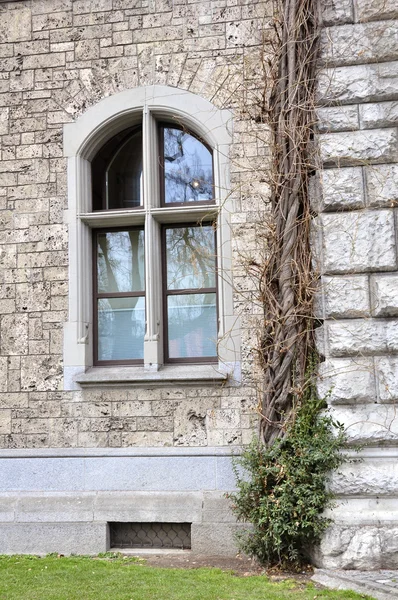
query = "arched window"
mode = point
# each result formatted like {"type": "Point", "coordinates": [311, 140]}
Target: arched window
{"type": "Point", "coordinates": [148, 200]}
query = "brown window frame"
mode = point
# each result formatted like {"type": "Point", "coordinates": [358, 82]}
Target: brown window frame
{"type": "Point", "coordinates": [183, 291]}
{"type": "Point", "coordinates": [161, 126]}
{"type": "Point", "coordinates": [97, 296]}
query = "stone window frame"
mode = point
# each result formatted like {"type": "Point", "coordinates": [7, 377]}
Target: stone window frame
{"type": "Point", "coordinates": [82, 140]}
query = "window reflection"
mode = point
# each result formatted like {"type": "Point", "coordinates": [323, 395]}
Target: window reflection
{"type": "Point", "coordinates": [190, 257]}
{"type": "Point", "coordinates": [188, 168]}
{"type": "Point", "coordinates": [120, 264]}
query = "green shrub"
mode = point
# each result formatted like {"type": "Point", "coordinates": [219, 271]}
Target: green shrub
{"type": "Point", "coordinates": [282, 490]}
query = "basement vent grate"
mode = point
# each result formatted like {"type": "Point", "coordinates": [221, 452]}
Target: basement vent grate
{"type": "Point", "coordinates": [150, 535]}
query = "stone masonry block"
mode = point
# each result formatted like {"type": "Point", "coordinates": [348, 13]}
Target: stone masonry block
{"type": "Point", "coordinates": [347, 381]}
{"type": "Point", "coordinates": [359, 147]}
{"type": "Point", "coordinates": [366, 477]}
{"type": "Point", "coordinates": [214, 540]}
{"type": "Point", "coordinates": [54, 508]}
{"type": "Point", "coordinates": [384, 295]}
{"type": "Point", "coordinates": [346, 297]}
{"type": "Point", "coordinates": [360, 43]}
{"type": "Point", "coordinates": [359, 242]}
{"type": "Point", "coordinates": [14, 334]}
{"type": "Point", "coordinates": [370, 424]}
{"type": "Point", "coordinates": [359, 336]}
{"type": "Point", "coordinates": [341, 189]}
{"type": "Point", "coordinates": [382, 185]}
{"type": "Point", "coordinates": [43, 538]}
{"type": "Point", "coordinates": [387, 378]}
{"type": "Point", "coordinates": [337, 12]}
{"type": "Point", "coordinates": [15, 25]}
{"type": "Point", "coordinates": [376, 10]}
{"type": "Point", "coordinates": [338, 118]}
{"type": "Point", "coordinates": [380, 114]}
{"type": "Point", "coordinates": [361, 83]}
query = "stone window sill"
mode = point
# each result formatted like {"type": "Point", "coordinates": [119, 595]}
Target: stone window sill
{"type": "Point", "coordinates": [166, 375]}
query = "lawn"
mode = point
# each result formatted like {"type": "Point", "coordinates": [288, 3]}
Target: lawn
{"type": "Point", "coordinates": [85, 578]}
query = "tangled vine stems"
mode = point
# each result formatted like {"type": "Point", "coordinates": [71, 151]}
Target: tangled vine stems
{"type": "Point", "coordinates": [287, 280]}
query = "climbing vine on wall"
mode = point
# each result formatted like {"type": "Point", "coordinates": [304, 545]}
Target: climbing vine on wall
{"type": "Point", "coordinates": [287, 279]}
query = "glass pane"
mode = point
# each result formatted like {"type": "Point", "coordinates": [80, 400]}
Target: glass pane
{"type": "Point", "coordinates": [121, 328]}
{"type": "Point", "coordinates": [190, 254]}
{"type": "Point", "coordinates": [124, 175]}
{"type": "Point", "coordinates": [120, 261]}
{"type": "Point", "coordinates": [192, 323]}
{"type": "Point", "coordinates": [188, 168]}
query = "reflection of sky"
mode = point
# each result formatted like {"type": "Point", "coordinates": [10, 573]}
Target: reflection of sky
{"type": "Point", "coordinates": [192, 325]}
{"type": "Point", "coordinates": [188, 170]}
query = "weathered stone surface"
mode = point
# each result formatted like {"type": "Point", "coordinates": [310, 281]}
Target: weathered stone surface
{"type": "Point", "coordinates": [54, 508]}
{"type": "Point", "coordinates": [376, 10]}
{"type": "Point", "coordinates": [41, 373]}
{"type": "Point", "coordinates": [362, 83]}
{"type": "Point", "coordinates": [371, 424]}
{"type": "Point", "coordinates": [384, 296]}
{"type": "Point", "coordinates": [347, 381]}
{"type": "Point", "coordinates": [337, 12]}
{"type": "Point", "coordinates": [190, 421]}
{"type": "Point", "coordinates": [44, 538]}
{"type": "Point", "coordinates": [366, 477]}
{"type": "Point", "coordinates": [351, 547]}
{"type": "Point", "coordinates": [359, 147]}
{"type": "Point", "coordinates": [338, 118]}
{"type": "Point", "coordinates": [208, 539]}
{"type": "Point", "coordinates": [15, 25]}
{"type": "Point", "coordinates": [346, 297]}
{"type": "Point", "coordinates": [341, 189]}
{"type": "Point", "coordinates": [359, 336]}
{"type": "Point", "coordinates": [359, 242]}
{"type": "Point", "coordinates": [360, 43]}
{"type": "Point", "coordinates": [387, 378]}
{"type": "Point", "coordinates": [382, 185]}
{"type": "Point", "coordinates": [381, 114]}
{"type": "Point", "coordinates": [14, 334]}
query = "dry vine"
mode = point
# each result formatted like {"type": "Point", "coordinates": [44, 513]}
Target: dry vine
{"type": "Point", "coordinates": [287, 280]}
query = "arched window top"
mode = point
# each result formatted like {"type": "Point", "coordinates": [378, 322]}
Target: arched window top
{"type": "Point", "coordinates": [114, 114]}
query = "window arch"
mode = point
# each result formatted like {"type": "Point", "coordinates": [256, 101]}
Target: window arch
{"type": "Point", "coordinates": [148, 178]}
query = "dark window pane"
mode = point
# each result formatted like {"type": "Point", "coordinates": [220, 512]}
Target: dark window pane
{"type": "Point", "coordinates": [124, 175]}
{"type": "Point", "coordinates": [190, 253]}
{"type": "Point", "coordinates": [188, 168]}
{"type": "Point", "coordinates": [121, 328]}
{"type": "Point", "coordinates": [120, 261]}
{"type": "Point", "coordinates": [192, 325]}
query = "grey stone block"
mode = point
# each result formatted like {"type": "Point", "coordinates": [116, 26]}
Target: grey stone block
{"type": "Point", "coordinates": [151, 474]}
{"type": "Point", "coordinates": [369, 424]}
{"type": "Point", "coordinates": [338, 118]}
{"type": "Point", "coordinates": [54, 508]}
{"type": "Point", "coordinates": [217, 540]}
{"type": "Point", "coordinates": [360, 43]}
{"type": "Point", "coordinates": [384, 295]}
{"type": "Point", "coordinates": [361, 83]}
{"type": "Point", "coordinates": [381, 114]}
{"type": "Point", "coordinates": [337, 12]}
{"type": "Point", "coordinates": [43, 538]}
{"type": "Point", "coordinates": [359, 336]}
{"type": "Point", "coordinates": [382, 185]}
{"type": "Point", "coordinates": [217, 508]}
{"type": "Point", "coordinates": [346, 297]}
{"type": "Point", "coordinates": [347, 381]}
{"type": "Point", "coordinates": [387, 378]}
{"type": "Point", "coordinates": [359, 242]}
{"type": "Point", "coordinates": [359, 147]}
{"type": "Point", "coordinates": [7, 508]}
{"type": "Point", "coordinates": [38, 474]}
{"type": "Point", "coordinates": [342, 189]}
{"type": "Point", "coordinates": [366, 477]}
{"type": "Point", "coordinates": [350, 547]}
{"type": "Point", "coordinates": [147, 507]}
{"type": "Point", "coordinates": [376, 10]}
{"type": "Point", "coordinates": [225, 475]}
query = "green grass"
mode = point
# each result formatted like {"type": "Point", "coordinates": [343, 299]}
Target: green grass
{"type": "Point", "coordinates": [85, 578]}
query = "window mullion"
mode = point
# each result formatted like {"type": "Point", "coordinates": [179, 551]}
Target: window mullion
{"type": "Point", "coordinates": [152, 342]}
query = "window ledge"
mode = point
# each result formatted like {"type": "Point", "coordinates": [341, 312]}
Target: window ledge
{"type": "Point", "coordinates": [167, 375]}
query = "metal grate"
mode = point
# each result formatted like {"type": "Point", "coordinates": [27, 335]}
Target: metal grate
{"type": "Point", "coordinates": [150, 535]}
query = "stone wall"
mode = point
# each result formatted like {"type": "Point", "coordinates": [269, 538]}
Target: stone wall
{"type": "Point", "coordinates": [58, 58]}
{"type": "Point", "coordinates": [356, 194]}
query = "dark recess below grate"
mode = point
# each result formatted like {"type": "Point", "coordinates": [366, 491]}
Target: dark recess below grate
{"type": "Point", "coordinates": [150, 535]}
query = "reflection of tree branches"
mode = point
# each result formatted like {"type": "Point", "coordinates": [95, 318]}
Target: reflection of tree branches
{"type": "Point", "coordinates": [191, 254]}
